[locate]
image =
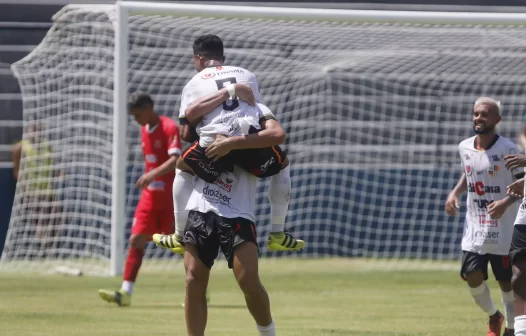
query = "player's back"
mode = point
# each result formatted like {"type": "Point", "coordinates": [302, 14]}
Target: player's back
{"type": "Point", "coordinates": [211, 80]}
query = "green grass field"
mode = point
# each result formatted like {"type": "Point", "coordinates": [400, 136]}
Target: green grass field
{"type": "Point", "coordinates": [308, 297]}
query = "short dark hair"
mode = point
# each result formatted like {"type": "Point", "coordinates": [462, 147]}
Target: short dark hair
{"type": "Point", "coordinates": [139, 100]}
{"type": "Point", "coordinates": [209, 46]}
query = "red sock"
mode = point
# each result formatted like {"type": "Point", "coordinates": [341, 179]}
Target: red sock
{"type": "Point", "coordinates": [133, 263]}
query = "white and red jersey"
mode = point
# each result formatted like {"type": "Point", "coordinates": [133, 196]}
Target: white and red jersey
{"type": "Point", "coordinates": [158, 144]}
{"type": "Point", "coordinates": [233, 194]}
{"type": "Point", "coordinates": [487, 179]}
{"type": "Point", "coordinates": [521, 214]}
{"type": "Point", "coordinates": [219, 121]}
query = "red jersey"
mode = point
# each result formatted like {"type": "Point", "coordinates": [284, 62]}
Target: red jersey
{"type": "Point", "coordinates": [158, 144]}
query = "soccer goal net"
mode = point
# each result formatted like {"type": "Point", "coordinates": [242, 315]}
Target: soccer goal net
{"type": "Point", "coordinates": [374, 105]}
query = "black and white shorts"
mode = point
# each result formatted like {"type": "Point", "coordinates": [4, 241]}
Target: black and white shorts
{"type": "Point", "coordinates": [500, 264]}
{"type": "Point", "coordinates": [209, 232]}
{"type": "Point", "coordinates": [518, 243]}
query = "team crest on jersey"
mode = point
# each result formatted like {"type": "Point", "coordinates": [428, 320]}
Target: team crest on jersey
{"type": "Point", "coordinates": [208, 75]}
{"type": "Point", "coordinates": [513, 151]}
{"type": "Point", "coordinates": [468, 170]}
{"type": "Point", "coordinates": [157, 144]}
{"type": "Point", "coordinates": [493, 170]}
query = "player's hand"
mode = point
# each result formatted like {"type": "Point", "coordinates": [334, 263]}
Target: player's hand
{"type": "Point", "coordinates": [515, 161]}
{"type": "Point", "coordinates": [244, 92]}
{"type": "Point", "coordinates": [516, 189]}
{"type": "Point", "coordinates": [219, 148]}
{"type": "Point", "coordinates": [496, 209]}
{"type": "Point", "coordinates": [144, 180]}
{"type": "Point", "coordinates": [452, 205]}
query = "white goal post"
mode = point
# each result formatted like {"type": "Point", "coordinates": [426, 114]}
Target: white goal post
{"type": "Point", "coordinates": [391, 34]}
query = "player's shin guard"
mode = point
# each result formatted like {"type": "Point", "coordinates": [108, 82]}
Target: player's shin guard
{"type": "Point", "coordinates": [482, 298]}
{"type": "Point", "coordinates": [182, 189]}
{"type": "Point", "coordinates": [507, 302]}
{"type": "Point", "coordinates": [279, 198]}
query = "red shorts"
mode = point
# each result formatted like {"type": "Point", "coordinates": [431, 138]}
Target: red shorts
{"type": "Point", "coordinates": [149, 222]}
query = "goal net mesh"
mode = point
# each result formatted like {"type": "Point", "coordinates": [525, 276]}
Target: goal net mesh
{"type": "Point", "coordinates": [373, 113]}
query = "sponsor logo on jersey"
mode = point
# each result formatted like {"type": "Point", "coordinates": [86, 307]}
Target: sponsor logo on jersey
{"type": "Point", "coordinates": [487, 235]}
{"type": "Point", "coordinates": [216, 194]}
{"type": "Point", "coordinates": [226, 184]}
{"type": "Point", "coordinates": [467, 157]}
{"type": "Point", "coordinates": [493, 170]}
{"type": "Point", "coordinates": [150, 158]}
{"type": "Point", "coordinates": [267, 164]}
{"type": "Point", "coordinates": [483, 220]}
{"type": "Point", "coordinates": [226, 72]}
{"type": "Point", "coordinates": [208, 75]}
{"type": "Point", "coordinates": [208, 169]}
{"type": "Point", "coordinates": [468, 170]}
{"type": "Point", "coordinates": [495, 157]}
{"type": "Point", "coordinates": [482, 203]}
{"type": "Point", "coordinates": [480, 189]}
{"type": "Point", "coordinates": [480, 172]}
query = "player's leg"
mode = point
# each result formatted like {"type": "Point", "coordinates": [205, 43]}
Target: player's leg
{"type": "Point", "coordinates": [144, 222]}
{"type": "Point", "coordinates": [201, 247]}
{"type": "Point", "coordinates": [518, 281]}
{"type": "Point", "coordinates": [474, 271]}
{"type": "Point", "coordinates": [192, 162]}
{"type": "Point", "coordinates": [501, 267]}
{"type": "Point", "coordinates": [239, 245]}
{"type": "Point", "coordinates": [273, 162]}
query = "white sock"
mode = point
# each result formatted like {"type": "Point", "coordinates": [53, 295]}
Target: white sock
{"type": "Point", "coordinates": [269, 330]}
{"type": "Point", "coordinates": [182, 189]}
{"type": "Point", "coordinates": [520, 325]}
{"type": "Point", "coordinates": [279, 198]}
{"type": "Point", "coordinates": [482, 298]}
{"type": "Point", "coordinates": [507, 302]}
{"type": "Point", "coordinates": [127, 286]}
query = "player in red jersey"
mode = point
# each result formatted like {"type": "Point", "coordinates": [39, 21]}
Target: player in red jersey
{"type": "Point", "coordinates": [161, 147]}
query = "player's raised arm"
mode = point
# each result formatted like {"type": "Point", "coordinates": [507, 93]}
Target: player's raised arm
{"type": "Point", "coordinates": [207, 104]}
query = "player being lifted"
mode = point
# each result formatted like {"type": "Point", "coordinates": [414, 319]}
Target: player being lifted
{"type": "Point", "coordinates": [490, 212]}
{"type": "Point", "coordinates": [221, 112]}
{"type": "Point", "coordinates": [518, 240]}
{"type": "Point", "coordinates": [161, 148]}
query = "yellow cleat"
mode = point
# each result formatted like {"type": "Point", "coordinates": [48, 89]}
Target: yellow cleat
{"type": "Point", "coordinates": [169, 241]}
{"type": "Point", "coordinates": [283, 241]}
{"type": "Point", "coordinates": [119, 297]}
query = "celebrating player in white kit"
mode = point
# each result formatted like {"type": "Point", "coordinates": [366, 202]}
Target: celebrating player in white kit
{"type": "Point", "coordinates": [225, 117]}
{"type": "Point", "coordinates": [490, 212]}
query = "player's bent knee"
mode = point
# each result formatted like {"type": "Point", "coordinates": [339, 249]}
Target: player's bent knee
{"type": "Point", "coordinates": [474, 278]}
{"type": "Point", "coordinates": [181, 165]}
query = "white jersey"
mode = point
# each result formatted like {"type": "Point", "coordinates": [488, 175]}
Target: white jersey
{"type": "Point", "coordinates": [233, 194]}
{"type": "Point", "coordinates": [487, 179]}
{"type": "Point", "coordinates": [209, 81]}
{"type": "Point", "coordinates": [521, 214]}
